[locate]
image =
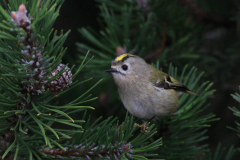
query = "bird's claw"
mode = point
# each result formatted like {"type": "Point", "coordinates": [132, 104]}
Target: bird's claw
{"type": "Point", "coordinates": [119, 129]}
{"type": "Point", "coordinates": [143, 127]}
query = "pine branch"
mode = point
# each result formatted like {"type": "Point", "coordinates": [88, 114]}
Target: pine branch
{"type": "Point", "coordinates": [31, 75]}
{"type": "Point", "coordinates": [35, 74]}
{"type": "Point", "coordinates": [105, 140]}
{"type": "Point", "coordinates": [222, 153]}
{"type": "Point", "coordinates": [236, 112]}
{"type": "Point", "coordinates": [183, 131]}
{"type": "Point", "coordinates": [94, 151]}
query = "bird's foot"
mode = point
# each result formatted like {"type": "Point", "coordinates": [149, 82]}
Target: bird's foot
{"type": "Point", "coordinates": [119, 130]}
{"type": "Point", "coordinates": [143, 127]}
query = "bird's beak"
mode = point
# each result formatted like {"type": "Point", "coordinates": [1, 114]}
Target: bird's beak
{"type": "Point", "coordinates": [111, 70]}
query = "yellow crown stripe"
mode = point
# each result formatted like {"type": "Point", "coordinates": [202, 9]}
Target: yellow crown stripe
{"type": "Point", "coordinates": [119, 58]}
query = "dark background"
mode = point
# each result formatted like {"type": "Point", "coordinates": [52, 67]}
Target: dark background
{"type": "Point", "coordinates": [74, 15]}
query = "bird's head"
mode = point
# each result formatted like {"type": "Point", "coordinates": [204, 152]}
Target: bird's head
{"type": "Point", "coordinates": [126, 66]}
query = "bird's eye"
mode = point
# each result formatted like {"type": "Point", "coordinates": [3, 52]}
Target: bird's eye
{"type": "Point", "coordinates": [124, 67]}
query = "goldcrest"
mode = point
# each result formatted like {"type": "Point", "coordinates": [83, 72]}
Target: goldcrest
{"type": "Point", "coordinates": [145, 91]}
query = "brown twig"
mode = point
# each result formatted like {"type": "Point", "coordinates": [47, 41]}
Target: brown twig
{"type": "Point", "coordinates": [88, 152]}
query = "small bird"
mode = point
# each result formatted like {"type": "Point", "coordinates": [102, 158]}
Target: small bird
{"type": "Point", "coordinates": [145, 91]}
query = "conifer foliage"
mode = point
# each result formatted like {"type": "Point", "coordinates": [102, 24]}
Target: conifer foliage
{"type": "Point", "coordinates": [32, 75]}
{"type": "Point", "coordinates": [236, 112]}
{"type": "Point", "coordinates": [35, 126]}
{"type": "Point", "coordinates": [161, 30]}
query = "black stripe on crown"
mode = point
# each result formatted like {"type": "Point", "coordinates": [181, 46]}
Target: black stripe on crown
{"type": "Point", "coordinates": [124, 58]}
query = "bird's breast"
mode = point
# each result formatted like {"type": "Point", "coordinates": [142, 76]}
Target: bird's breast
{"type": "Point", "coordinates": [145, 101]}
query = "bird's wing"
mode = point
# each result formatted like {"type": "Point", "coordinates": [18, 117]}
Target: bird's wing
{"type": "Point", "coordinates": [164, 81]}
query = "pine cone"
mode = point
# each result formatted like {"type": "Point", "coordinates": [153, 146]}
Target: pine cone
{"type": "Point", "coordinates": [63, 81]}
